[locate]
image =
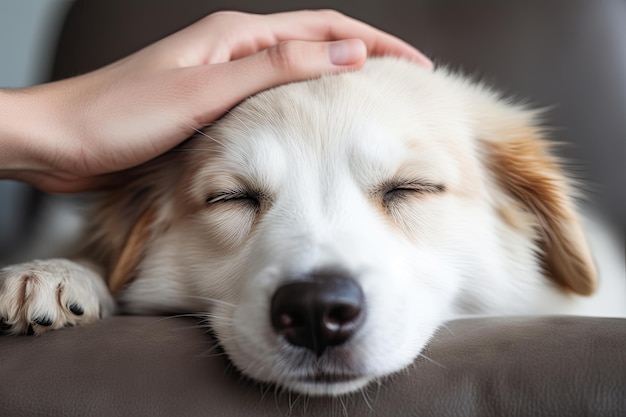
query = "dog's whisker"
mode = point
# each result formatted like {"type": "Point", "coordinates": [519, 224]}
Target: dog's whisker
{"type": "Point", "coordinates": [202, 133]}
{"type": "Point", "coordinates": [213, 355]}
{"type": "Point", "coordinates": [265, 389]}
{"type": "Point", "coordinates": [208, 319]}
{"type": "Point", "coordinates": [191, 149]}
{"type": "Point", "coordinates": [212, 300]}
{"type": "Point", "coordinates": [276, 393]}
{"type": "Point", "coordinates": [289, 402]}
{"type": "Point", "coordinates": [210, 322]}
{"type": "Point", "coordinates": [192, 327]}
{"type": "Point", "coordinates": [344, 406]}
{"type": "Point", "coordinates": [366, 400]}
{"type": "Point", "coordinates": [176, 316]}
{"type": "Point", "coordinates": [241, 122]}
{"type": "Point", "coordinates": [206, 135]}
{"type": "Point", "coordinates": [214, 352]}
{"type": "Point", "coordinates": [448, 329]}
{"type": "Point", "coordinates": [431, 360]}
{"type": "Point", "coordinates": [379, 386]}
{"type": "Point", "coordinates": [211, 315]}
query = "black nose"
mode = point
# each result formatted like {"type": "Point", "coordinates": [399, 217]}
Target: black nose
{"type": "Point", "coordinates": [324, 311]}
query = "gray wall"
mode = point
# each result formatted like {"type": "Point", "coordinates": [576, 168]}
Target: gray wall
{"type": "Point", "coordinates": [28, 36]}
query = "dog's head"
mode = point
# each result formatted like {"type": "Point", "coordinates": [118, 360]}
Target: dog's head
{"type": "Point", "coordinates": [333, 224]}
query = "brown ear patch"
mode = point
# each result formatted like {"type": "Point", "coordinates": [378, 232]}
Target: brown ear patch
{"type": "Point", "coordinates": [124, 269]}
{"type": "Point", "coordinates": [524, 167]}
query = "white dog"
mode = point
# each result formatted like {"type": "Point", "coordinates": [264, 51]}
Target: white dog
{"type": "Point", "coordinates": [328, 228]}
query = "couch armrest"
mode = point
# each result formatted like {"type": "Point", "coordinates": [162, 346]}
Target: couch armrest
{"type": "Point", "coordinates": [557, 366]}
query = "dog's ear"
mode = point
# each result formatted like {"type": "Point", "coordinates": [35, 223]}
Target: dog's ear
{"type": "Point", "coordinates": [522, 163]}
{"type": "Point", "coordinates": [132, 252]}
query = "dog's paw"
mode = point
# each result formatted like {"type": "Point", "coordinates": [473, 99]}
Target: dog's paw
{"type": "Point", "coordinates": [44, 295]}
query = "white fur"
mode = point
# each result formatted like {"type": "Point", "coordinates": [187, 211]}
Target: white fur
{"type": "Point", "coordinates": [46, 290]}
{"type": "Point", "coordinates": [319, 152]}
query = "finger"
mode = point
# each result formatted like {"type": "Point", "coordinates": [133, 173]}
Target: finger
{"type": "Point", "coordinates": [226, 36]}
{"type": "Point", "coordinates": [227, 84]}
{"type": "Point", "coordinates": [332, 25]}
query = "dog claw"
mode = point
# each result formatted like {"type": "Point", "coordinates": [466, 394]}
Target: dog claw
{"type": "Point", "coordinates": [4, 326]}
{"type": "Point", "coordinates": [76, 309]}
{"type": "Point", "coordinates": [43, 321]}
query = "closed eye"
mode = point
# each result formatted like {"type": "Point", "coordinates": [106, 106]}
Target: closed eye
{"type": "Point", "coordinates": [398, 190]}
{"type": "Point", "coordinates": [235, 196]}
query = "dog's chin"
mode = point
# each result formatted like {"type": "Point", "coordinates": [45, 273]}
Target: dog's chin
{"type": "Point", "coordinates": [327, 384]}
{"type": "Point", "coordinates": [333, 381]}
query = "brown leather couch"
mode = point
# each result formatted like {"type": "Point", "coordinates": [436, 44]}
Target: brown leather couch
{"type": "Point", "coordinates": [567, 53]}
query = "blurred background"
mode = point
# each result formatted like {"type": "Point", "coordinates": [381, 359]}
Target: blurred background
{"type": "Point", "coordinates": [568, 55]}
{"type": "Point", "coordinates": [29, 31]}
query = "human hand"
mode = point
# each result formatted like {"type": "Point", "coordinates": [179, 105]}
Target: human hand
{"type": "Point", "coordinates": [77, 133]}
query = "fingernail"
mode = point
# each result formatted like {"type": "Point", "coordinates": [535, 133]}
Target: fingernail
{"type": "Point", "coordinates": [346, 52]}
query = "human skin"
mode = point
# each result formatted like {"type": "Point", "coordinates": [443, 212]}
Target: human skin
{"type": "Point", "coordinates": [81, 133]}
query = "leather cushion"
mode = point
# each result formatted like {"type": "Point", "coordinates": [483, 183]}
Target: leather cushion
{"type": "Point", "coordinates": [154, 366]}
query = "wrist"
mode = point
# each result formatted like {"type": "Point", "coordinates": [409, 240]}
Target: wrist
{"type": "Point", "coordinates": [14, 154]}
{"type": "Point", "coordinates": [30, 124]}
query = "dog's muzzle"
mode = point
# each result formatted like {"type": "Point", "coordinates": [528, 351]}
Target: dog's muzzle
{"type": "Point", "coordinates": [325, 310]}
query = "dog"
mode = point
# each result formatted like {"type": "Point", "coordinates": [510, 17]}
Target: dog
{"type": "Point", "coordinates": [327, 228]}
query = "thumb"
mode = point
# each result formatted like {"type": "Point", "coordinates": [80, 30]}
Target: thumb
{"type": "Point", "coordinates": [229, 83]}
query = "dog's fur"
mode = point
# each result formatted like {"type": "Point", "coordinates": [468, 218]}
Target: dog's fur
{"type": "Point", "coordinates": [440, 198]}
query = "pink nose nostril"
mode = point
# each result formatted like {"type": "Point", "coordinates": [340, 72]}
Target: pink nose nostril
{"type": "Point", "coordinates": [324, 311]}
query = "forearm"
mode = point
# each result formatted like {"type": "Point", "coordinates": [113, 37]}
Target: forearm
{"type": "Point", "coordinates": [21, 144]}
{"type": "Point", "coordinates": [35, 133]}
{"type": "Point", "coordinates": [13, 149]}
